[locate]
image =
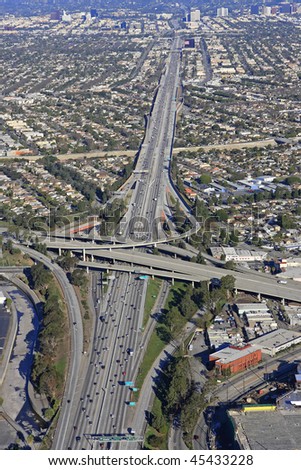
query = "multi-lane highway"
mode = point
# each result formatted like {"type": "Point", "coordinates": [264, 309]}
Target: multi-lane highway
{"type": "Point", "coordinates": [103, 397]}
{"type": "Point", "coordinates": [102, 406]}
{"type": "Point", "coordinates": [143, 218]}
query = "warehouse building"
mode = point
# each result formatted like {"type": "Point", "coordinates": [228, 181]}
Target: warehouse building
{"type": "Point", "coordinates": [276, 341]}
{"type": "Point", "coordinates": [234, 359]}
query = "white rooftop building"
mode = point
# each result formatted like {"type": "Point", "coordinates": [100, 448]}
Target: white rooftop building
{"type": "Point", "coordinates": [276, 341]}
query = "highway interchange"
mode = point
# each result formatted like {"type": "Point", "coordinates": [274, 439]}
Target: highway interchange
{"type": "Point", "coordinates": [96, 401]}
{"type": "Point", "coordinates": [100, 400]}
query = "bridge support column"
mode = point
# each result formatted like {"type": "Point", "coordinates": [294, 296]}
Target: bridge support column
{"type": "Point", "coordinates": [259, 296]}
{"type": "Point", "coordinates": [92, 258]}
{"type": "Point", "coordinates": [110, 249]}
{"type": "Point", "coordinates": [172, 281]}
{"type": "Point", "coordinates": [87, 269]}
{"type": "Point", "coordinates": [107, 271]}
{"type": "Point", "coordinates": [235, 291]}
{"type": "Point", "coordinates": [84, 254]}
{"type": "Point", "coordinates": [60, 251]}
{"type": "Point", "coordinates": [192, 283]}
{"type": "Point", "coordinates": [283, 301]}
{"type": "Point", "coordinates": [175, 255]}
{"type": "Point", "coordinates": [153, 277]}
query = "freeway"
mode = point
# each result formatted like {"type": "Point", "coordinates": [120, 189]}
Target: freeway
{"type": "Point", "coordinates": [75, 322]}
{"type": "Point", "coordinates": [103, 399]}
{"type": "Point", "coordinates": [102, 404]}
{"type": "Point", "coordinates": [142, 220]}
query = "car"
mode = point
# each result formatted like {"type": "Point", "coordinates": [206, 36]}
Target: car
{"type": "Point", "coordinates": [78, 438]}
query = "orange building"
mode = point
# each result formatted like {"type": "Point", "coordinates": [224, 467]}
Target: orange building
{"type": "Point", "coordinates": [234, 359]}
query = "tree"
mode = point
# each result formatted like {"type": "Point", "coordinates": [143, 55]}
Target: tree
{"type": "Point", "coordinates": [199, 258]}
{"type": "Point", "coordinates": [9, 245]}
{"type": "Point", "coordinates": [79, 278]}
{"type": "Point", "coordinates": [290, 180]}
{"type": "Point", "coordinates": [228, 283]}
{"type": "Point", "coordinates": [286, 222]}
{"type": "Point", "coordinates": [234, 238]}
{"type": "Point", "coordinates": [230, 265]}
{"type": "Point", "coordinates": [158, 420]}
{"type": "Point", "coordinates": [154, 441]}
{"type": "Point", "coordinates": [178, 386]}
{"type": "Point", "coordinates": [68, 262]}
{"type": "Point", "coordinates": [205, 178]}
{"type": "Point", "coordinates": [40, 275]}
{"type": "Point", "coordinates": [191, 409]}
{"type": "Point", "coordinates": [222, 215]}
{"type": "Point", "coordinates": [187, 305]}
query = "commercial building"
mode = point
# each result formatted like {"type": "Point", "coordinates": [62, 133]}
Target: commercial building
{"type": "Point", "coordinates": [276, 341]}
{"type": "Point", "coordinates": [193, 18]}
{"type": "Point", "coordinates": [235, 359]}
{"type": "Point", "coordinates": [294, 315]}
{"type": "Point", "coordinates": [268, 428]}
{"type": "Point", "coordinates": [195, 15]}
{"type": "Point", "coordinates": [222, 12]}
{"type": "Point", "coordinates": [232, 254]}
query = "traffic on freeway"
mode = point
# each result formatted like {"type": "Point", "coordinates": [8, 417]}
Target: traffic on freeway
{"type": "Point", "coordinates": [104, 403]}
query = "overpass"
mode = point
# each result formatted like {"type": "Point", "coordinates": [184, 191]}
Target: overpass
{"type": "Point", "coordinates": [252, 281]}
{"type": "Point", "coordinates": [58, 242]}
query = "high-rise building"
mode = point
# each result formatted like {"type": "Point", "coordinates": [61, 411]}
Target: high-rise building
{"type": "Point", "coordinates": [222, 12]}
{"type": "Point", "coordinates": [267, 11]}
{"type": "Point", "coordinates": [195, 15]}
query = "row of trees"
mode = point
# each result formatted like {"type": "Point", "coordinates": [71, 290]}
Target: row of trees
{"type": "Point", "coordinates": [177, 396]}
{"type": "Point", "coordinates": [176, 392]}
{"type": "Point", "coordinates": [46, 376]}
